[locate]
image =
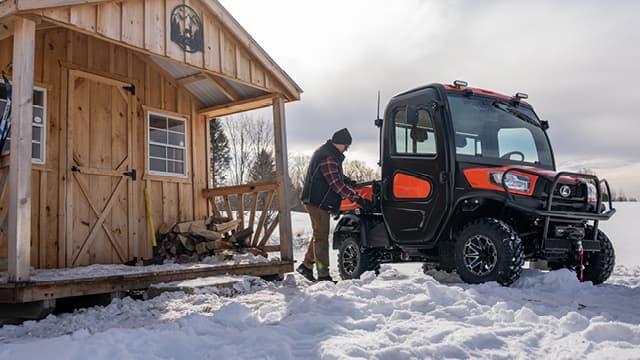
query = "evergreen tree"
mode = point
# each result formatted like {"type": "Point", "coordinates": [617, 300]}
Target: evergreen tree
{"type": "Point", "coordinates": [264, 170]}
{"type": "Point", "coordinates": [264, 167]}
{"type": "Point", "coordinates": [220, 156]}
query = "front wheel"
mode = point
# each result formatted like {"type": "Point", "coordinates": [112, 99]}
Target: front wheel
{"type": "Point", "coordinates": [488, 250]}
{"type": "Point", "coordinates": [353, 260]}
{"type": "Point", "coordinates": [599, 265]}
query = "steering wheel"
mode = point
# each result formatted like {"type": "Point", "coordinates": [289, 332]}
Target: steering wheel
{"type": "Point", "coordinates": [516, 152]}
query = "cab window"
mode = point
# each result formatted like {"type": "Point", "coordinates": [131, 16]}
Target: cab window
{"type": "Point", "coordinates": [414, 134]}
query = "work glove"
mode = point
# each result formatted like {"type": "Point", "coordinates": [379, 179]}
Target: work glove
{"type": "Point", "coordinates": [350, 183]}
{"type": "Point", "coordinates": [365, 205]}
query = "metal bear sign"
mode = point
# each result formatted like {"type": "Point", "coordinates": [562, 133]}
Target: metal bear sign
{"type": "Point", "coordinates": [186, 29]}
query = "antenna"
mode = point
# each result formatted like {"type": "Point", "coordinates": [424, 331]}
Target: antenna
{"type": "Point", "coordinates": [378, 116]}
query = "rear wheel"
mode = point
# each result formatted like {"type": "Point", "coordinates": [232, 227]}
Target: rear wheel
{"type": "Point", "coordinates": [353, 260]}
{"type": "Point", "coordinates": [489, 250]}
{"type": "Point", "coordinates": [599, 265]}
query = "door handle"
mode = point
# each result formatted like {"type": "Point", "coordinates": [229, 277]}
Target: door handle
{"type": "Point", "coordinates": [75, 169]}
{"type": "Point", "coordinates": [132, 174]}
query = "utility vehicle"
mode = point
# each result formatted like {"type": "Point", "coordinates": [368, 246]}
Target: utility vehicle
{"type": "Point", "coordinates": [469, 183]}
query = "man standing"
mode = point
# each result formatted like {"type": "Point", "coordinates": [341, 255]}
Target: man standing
{"type": "Point", "coordinates": [325, 186]}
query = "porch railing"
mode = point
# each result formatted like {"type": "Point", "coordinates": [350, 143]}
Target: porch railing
{"type": "Point", "coordinates": [232, 202]}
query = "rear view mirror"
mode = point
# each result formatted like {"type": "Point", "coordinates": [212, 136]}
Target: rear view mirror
{"type": "Point", "coordinates": [418, 134]}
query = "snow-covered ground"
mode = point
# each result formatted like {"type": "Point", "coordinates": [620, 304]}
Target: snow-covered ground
{"type": "Point", "coordinates": [400, 314]}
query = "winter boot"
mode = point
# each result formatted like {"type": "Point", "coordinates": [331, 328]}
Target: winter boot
{"type": "Point", "coordinates": [306, 272]}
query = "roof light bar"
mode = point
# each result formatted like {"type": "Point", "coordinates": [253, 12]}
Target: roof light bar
{"type": "Point", "coordinates": [460, 83]}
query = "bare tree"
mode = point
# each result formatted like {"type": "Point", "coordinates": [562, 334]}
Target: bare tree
{"type": "Point", "coordinates": [248, 136]}
{"type": "Point", "coordinates": [237, 129]}
{"type": "Point", "coordinates": [298, 165]}
{"type": "Point", "coordinates": [359, 171]}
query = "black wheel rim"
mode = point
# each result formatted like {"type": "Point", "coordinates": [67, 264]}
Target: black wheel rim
{"type": "Point", "coordinates": [480, 255]}
{"type": "Point", "coordinates": [350, 258]}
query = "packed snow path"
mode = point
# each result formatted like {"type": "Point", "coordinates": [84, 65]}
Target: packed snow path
{"type": "Point", "coordinates": [397, 315]}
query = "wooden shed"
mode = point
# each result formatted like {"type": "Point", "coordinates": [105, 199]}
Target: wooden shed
{"type": "Point", "coordinates": [112, 97]}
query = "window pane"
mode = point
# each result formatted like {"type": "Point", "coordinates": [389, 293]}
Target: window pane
{"type": "Point", "coordinates": [158, 165]}
{"type": "Point", "coordinates": [158, 136]}
{"type": "Point", "coordinates": [175, 154]}
{"type": "Point", "coordinates": [401, 140]}
{"type": "Point", "coordinates": [36, 132]}
{"type": "Point", "coordinates": [176, 125]}
{"type": "Point", "coordinates": [176, 167]}
{"type": "Point", "coordinates": [38, 98]}
{"type": "Point", "coordinates": [518, 142]}
{"type": "Point", "coordinates": [3, 91]}
{"type": "Point", "coordinates": [35, 151]}
{"type": "Point", "coordinates": [157, 151]}
{"type": "Point", "coordinates": [157, 122]}
{"type": "Point", "coordinates": [176, 139]}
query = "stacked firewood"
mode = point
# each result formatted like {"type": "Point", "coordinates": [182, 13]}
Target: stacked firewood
{"type": "Point", "coordinates": [193, 241]}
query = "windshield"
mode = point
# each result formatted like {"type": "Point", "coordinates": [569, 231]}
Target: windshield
{"type": "Point", "coordinates": [488, 129]}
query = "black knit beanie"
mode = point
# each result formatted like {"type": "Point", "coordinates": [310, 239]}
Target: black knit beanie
{"type": "Point", "coordinates": [341, 136]}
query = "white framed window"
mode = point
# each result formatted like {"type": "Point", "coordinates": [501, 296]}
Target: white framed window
{"type": "Point", "coordinates": [39, 124]}
{"type": "Point", "coordinates": [167, 145]}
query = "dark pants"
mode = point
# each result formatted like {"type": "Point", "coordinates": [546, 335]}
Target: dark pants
{"type": "Point", "coordinates": [318, 250]}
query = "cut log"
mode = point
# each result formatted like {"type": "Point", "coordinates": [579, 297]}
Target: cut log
{"type": "Point", "coordinates": [217, 220]}
{"type": "Point", "coordinates": [225, 227]}
{"type": "Point", "coordinates": [187, 242]}
{"type": "Point", "coordinates": [241, 235]}
{"type": "Point", "coordinates": [257, 252]}
{"type": "Point", "coordinates": [166, 228]}
{"type": "Point", "coordinates": [201, 248]}
{"type": "Point", "coordinates": [205, 233]}
{"type": "Point", "coordinates": [186, 226]}
{"type": "Point", "coordinates": [225, 255]}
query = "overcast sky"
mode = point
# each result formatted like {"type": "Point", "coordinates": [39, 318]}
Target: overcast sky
{"type": "Point", "coordinates": [579, 61]}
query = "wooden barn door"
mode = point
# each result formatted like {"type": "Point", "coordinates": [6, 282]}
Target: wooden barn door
{"type": "Point", "coordinates": [99, 171]}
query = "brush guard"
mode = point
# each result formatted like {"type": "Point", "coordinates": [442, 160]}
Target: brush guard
{"type": "Point", "coordinates": [547, 214]}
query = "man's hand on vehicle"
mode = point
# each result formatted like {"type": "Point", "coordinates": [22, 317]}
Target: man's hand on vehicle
{"type": "Point", "coordinates": [366, 205]}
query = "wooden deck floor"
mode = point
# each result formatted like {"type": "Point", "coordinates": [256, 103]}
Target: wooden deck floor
{"type": "Point", "coordinates": [14, 293]}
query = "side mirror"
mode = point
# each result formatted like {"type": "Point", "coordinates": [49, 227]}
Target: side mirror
{"type": "Point", "coordinates": [544, 124]}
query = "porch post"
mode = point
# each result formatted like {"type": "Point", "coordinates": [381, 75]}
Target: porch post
{"type": "Point", "coordinates": [20, 159]}
{"type": "Point", "coordinates": [282, 176]}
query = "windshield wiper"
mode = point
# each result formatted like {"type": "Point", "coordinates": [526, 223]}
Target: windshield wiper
{"type": "Point", "coordinates": [512, 110]}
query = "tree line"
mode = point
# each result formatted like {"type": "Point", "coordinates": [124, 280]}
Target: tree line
{"type": "Point", "coordinates": [242, 151]}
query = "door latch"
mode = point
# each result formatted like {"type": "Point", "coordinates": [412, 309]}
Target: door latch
{"type": "Point", "coordinates": [75, 169]}
{"type": "Point", "coordinates": [444, 176]}
{"type": "Point", "coordinates": [132, 174]}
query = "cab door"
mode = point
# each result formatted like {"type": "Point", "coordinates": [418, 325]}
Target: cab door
{"type": "Point", "coordinates": [415, 170]}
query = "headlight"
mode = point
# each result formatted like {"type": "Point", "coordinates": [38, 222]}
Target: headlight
{"type": "Point", "coordinates": [513, 181]}
{"type": "Point", "coordinates": [592, 193]}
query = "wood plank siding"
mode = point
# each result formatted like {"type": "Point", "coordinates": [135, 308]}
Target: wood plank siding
{"type": "Point", "coordinates": [102, 127]}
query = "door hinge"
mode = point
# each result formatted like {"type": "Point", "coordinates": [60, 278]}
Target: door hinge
{"type": "Point", "coordinates": [131, 88]}
{"type": "Point", "coordinates": [132, 174]}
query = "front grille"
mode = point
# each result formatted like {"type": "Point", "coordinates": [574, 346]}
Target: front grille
{"type": "Point", "coordinates": [575, 201]}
